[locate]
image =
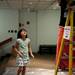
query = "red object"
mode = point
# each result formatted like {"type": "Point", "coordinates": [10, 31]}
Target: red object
{"type": "Point", "coordinates": [59, 38]}
{"type": "Point", "coordinates": [64, 61]}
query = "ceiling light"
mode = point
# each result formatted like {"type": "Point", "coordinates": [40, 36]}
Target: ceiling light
{"type": "Point", "coordinates": [30, 3]}
{"type": "Point", "coordinates": [56, 5]}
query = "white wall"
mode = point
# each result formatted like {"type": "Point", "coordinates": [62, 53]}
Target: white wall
{"type": "Point", "coordinates": [41, 30]}
{"type": "Point", "coordinates": [43, 26]}
{"type": "Point", "coordinates": [8, 21]}
{"type": "Point", "coordinates": [31, 28]}
{"type": "Point", "coordinates": [48, 22]}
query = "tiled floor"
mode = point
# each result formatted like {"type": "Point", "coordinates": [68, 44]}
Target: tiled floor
{"type": "Point", "coordinates": [40, 65]}
{"type": "Point", "coordinates": [33, 71]}
{"type": "Point", "coordinates": [40, 61]}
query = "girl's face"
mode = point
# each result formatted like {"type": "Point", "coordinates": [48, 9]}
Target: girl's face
{"type": "Point", "coordinates": [23, 33]}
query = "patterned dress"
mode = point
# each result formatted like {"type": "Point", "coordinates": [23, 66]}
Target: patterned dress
{"type": "Point", "coordinates": [23, 47]}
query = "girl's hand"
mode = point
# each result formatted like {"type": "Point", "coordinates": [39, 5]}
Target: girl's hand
{"type": "Point", "coordinates": [32, 55]}
{"type": "Point", "coordinates": [20, 54]}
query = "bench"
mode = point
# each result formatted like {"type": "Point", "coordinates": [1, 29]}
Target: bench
{"type": "Point", "coordinates": [48, 49]}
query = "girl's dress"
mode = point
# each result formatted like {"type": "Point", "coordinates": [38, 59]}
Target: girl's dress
{"type": "Point", "coordinates": [23, 47]}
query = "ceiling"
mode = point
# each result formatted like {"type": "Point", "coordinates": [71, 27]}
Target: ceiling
{"type": "Point", "coordinates": [28, 4]}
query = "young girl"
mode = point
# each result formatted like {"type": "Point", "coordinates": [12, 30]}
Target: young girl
{"type": "Point", "coordinates": [22, 48]}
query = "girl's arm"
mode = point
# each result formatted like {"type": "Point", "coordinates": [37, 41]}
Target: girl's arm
{"type": "Point", "coordinates": [16, 49]}
{"type": "Point", "coordinates": [30, 50]}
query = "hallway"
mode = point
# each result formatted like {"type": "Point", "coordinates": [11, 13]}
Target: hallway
{"type": "Point", "coordinates": [33, 71]}
{"type": "Point", "coordinates": [43, 64]}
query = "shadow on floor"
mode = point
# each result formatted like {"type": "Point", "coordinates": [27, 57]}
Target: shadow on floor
{"type": "Point", "coordinates": [44, 61]}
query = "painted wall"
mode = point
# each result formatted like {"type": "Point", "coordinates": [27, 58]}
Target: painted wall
{"type": "Point", "coordinates": [48, 22]}
{"type": "Point", "coordinates": [42, 28]}
{"type": "Point", "coordinates": [31, 28]}
{"type": "Point", "coordinates": [8, 21]}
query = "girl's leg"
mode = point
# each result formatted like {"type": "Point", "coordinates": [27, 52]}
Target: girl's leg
{"type": "Point", "coordinates": [19, 70]}
{"type": "Point", "coordinates": [24, 70]}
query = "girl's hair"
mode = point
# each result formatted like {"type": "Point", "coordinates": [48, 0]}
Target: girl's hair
{"type": "Point", "coordinates": [19, 33]}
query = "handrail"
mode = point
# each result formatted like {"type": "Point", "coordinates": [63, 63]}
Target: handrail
{"type": "Point", "coordinates": [5, 41]}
